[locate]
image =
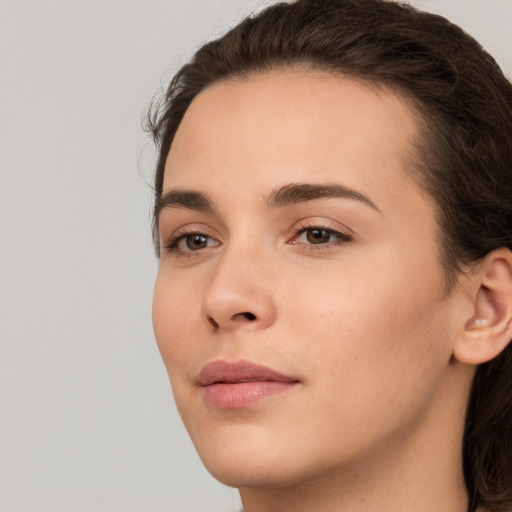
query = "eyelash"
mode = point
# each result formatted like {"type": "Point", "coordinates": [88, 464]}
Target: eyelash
{"type": "Point", "coordinates": [178, 237]}
{"type": "Point", "coordinates": [339, 238]}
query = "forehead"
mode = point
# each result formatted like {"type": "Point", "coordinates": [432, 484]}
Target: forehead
{"type": "Point", "coordinates": [241, 139]}
{"type": "Point", "coordinates": [291, 119]}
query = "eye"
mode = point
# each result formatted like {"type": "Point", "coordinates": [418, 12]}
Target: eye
{"type": "Point", "coordinates": [319, 236]}
{"type": "Point", "coordinates": [183, 243]}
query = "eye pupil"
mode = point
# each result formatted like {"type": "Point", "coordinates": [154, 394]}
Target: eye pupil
{"type": "Point", "coordinates": [195, 242]}
{"type": "Point", "coordinates": [318, 236]}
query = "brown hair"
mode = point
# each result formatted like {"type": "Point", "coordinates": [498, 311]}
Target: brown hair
{"type": "Point", "coordinates": [463, 104]}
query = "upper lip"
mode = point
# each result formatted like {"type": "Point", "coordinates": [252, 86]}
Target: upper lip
{"type": "Point", "coordinates": [239, 371]}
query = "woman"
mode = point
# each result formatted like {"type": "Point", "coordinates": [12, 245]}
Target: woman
{"type": "Point", "coordinates": [334, 224]}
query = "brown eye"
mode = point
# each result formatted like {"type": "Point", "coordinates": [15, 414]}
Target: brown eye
{"type": "Point", "coordinates": [183, 243]}
{"type": "Point", "coordinates": [318, 236]}
{"type": "Point", "coordinates": [194, 242]}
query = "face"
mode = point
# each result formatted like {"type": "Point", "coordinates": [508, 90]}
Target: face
{"type": "Point", "coordinates": [299, 305]}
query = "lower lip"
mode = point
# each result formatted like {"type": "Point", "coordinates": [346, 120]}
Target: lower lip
{"type": "Point", "coordinates": [239, 395]}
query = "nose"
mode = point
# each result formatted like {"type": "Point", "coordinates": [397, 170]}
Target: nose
{"type": "Point", "coordinates": [239, 294]}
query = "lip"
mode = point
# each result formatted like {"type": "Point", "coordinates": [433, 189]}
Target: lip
{"type": "Point", "coordinates": [240, 384]}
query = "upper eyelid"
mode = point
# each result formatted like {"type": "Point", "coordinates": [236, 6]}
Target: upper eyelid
{"type": "Point", "coordinates": [323, 228]}
{"type": "Point", "coordinates": [176, 219]}
{"type": "Point", "coordinates": [173, 226]}
{"type": "Point", "coordinates": [322, 223]}
{"type": "Point", "coordinates": [341, 235]}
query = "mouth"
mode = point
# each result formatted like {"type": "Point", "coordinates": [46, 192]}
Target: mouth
{"type": "Point", "coordinates": [237, 385]}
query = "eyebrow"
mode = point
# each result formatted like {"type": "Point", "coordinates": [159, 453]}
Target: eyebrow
{"type": "Point", "coordinates": [188, 199]}
{"type": "Point", "coordinates": [292, 193]}
{"type": "Point", "coordinates": [303, 192]}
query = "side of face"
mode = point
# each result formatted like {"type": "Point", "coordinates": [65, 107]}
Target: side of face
{"type": "Point", "coordinates": [341, 292]}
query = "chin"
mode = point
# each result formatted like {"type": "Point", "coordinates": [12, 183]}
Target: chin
{"type": "Point", "coordinates": [257, 459]}
{"type": "Point", "coordinates": [242, 462]}
{"type": "Point", "coordinates": [251, 474]}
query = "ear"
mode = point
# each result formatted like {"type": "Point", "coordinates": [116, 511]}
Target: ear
{"type": "Point", "coordinates": [488, 331]}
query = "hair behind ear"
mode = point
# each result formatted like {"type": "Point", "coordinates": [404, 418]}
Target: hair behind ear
{"type": "Point", "coordinates": [488, 435]}
{"type": "Point", "coordinates": [487, 342]}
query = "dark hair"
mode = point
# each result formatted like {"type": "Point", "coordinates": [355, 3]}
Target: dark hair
{"type": "Point", "coordinates": [463, 104]}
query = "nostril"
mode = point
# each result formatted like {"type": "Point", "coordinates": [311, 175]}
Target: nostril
{"type": "Point", "coordinates": [249, 316]}
{"type": "Point", "coordinates": [213, 323]}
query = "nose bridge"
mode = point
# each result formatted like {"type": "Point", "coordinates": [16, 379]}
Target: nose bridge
{"type": "Point", "coordinates": [239, 294]}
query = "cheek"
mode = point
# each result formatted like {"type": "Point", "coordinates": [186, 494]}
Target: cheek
{"type": "Point", "coordinates": [173, 308]}
{"type": "Point", "coordinates": [373, 322]}
{"type": "Point", "coordinates": [375, 353]}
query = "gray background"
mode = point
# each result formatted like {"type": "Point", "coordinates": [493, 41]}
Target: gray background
{"type": "Point", "coordinates": [87, 421]}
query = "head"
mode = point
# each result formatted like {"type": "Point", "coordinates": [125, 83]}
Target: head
{"type": "Point", "coordinates": [455, 106]}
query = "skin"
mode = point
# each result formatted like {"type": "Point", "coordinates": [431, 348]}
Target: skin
{"type": "Point", "coordinates": [363, 322]}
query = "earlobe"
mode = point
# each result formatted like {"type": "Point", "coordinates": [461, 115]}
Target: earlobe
{"type": "Point", "coordinates": [489, 329]}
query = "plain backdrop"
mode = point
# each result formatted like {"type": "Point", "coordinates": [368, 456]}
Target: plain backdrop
{"type": "Point", "coordinates": [87, 421]}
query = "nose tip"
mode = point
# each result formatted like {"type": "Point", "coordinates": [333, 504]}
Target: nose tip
{"type": "Point", "coordinates": [237, 298]}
